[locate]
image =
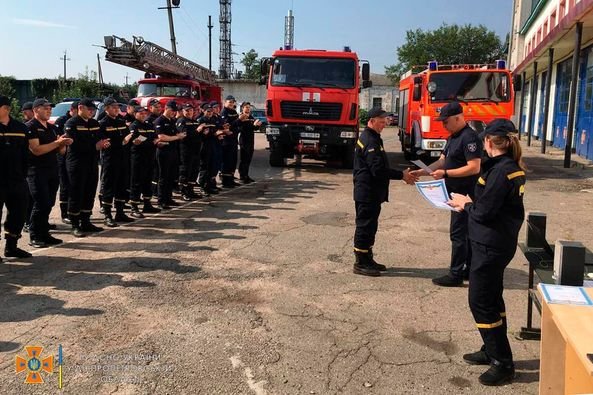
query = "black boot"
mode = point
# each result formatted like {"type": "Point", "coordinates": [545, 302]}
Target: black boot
{"type": "Point", "coordinates": [185, 193]}
{"type": "Point", "coordinates": [364, 266]}
{"type": "Point", "coordinates": [86, 225]}
{"type": "Point", "coordinates": [108, 221]}
{"type": "Point", "coordinates": [192, 193]}
{"type": "Point", "coordinates": [149, 208]}
{"type": "Point", "coordinates": [76, 230]}
{"type": "Point", "coordinates": [478, 357]}
{"type": "Point", "coordinates": [11, 250]}
{"type": "Point", "coordinates": [64, 213]}
{"type": "Point", "coordinates": [498, 374]}
{"type": "Point", "coordinates": [120, 215]}
{"type": "Point", "coordinates": [377, 265]}
{"type": "Point", "coordinates": [136, 211]}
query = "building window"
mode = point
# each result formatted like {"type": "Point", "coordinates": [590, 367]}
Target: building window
{"type": "Point", "coordinates": [553, 20]}
{"type": "Point", "coordinates": [377, 102]}
{"type": "Point", "coordinates": [564, 79]}
{"type": "Point", "coordinates": [589, 89]}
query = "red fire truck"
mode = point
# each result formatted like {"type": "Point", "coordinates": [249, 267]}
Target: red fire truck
{"type": "Point", "coordinates": [485, 91]}
{"type": "Point", "coordinates": [167, 76]}
{"type": "Point", "coordinates": [312, 104]}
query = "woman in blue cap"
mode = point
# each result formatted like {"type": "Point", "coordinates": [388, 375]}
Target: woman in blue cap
{"type": "Point", "coordinates": [495, 218]}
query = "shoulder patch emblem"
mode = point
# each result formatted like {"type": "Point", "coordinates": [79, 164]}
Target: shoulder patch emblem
{"type": "Point", "coordinates": [472, 147]}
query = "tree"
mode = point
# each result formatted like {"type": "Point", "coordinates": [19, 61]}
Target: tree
{"type": "Point", "coordinates": [7, 85]}
{"type": "Point", "coordinates": [252, 67]}
{"type": "Point", "coordinates": [449, 44]}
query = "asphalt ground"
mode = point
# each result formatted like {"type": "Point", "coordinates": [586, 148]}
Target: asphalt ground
{"type": "Point", "coordinates": [252, 292]}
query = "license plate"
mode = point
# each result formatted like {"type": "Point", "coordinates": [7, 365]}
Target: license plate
{"type": "Point", "coordinates": [435, 153]}
{"type": "Point", "coordinates": [310, 135]}
{"type": "Point", "coordinates": [309, 142]}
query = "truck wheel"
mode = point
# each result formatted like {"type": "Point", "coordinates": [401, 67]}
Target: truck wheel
{"type": "Point", "coordinates": [348, 157]}
{"type": "Point", "coordinates": [276, 157]}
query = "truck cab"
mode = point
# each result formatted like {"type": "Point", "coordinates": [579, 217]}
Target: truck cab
{"type": "Point", "coordinates": [181, 90]}
{"type": "Point", "coordinates": [312, 104]}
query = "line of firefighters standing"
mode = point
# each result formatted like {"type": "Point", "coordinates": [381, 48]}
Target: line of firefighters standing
{"type": "Point", "coordinates": [146, 151]}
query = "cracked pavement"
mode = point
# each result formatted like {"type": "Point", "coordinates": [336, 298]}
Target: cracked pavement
{"type": "Point", "coordinates": [251, 292]}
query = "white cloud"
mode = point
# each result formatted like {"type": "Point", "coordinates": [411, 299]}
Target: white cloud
{"type": "Point", "coordinates": [38, 23]}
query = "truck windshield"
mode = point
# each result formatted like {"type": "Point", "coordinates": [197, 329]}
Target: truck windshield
{"type": "Point", "coordinates": [470, 86]}
{"type": "Point", "coordinates": [150, 89]}
{"type": "Point", "coordinates": [322, 72]}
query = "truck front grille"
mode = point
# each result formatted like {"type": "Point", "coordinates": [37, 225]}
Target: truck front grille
{"type": "Point", "coordinates": [313, 111]}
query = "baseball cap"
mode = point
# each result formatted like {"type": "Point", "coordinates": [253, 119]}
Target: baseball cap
{"type": "Point", "coordinates": [153, 102]}
{"type": "Point", "coordinates": [206, 107]}
{"type": "Point", "coordinates": [449, 110]}
{"type": "Point", "coordinates": [230, 97]}
{"type": "Point", "coordinates": [39, 103]}
{"type": "Point", "coordinates": [187, 106]}
{"type": "Point", "coordinates": [4, 101]}
{"type": "Point", "coordinates": [499, 127]}
{"type": "Point", "coordinates": [87, 103]}
{"type": "Point", "coordinates": [172, 104]}
{"type": "Point", "coordinates": [140, 108]}
{"type": "Point", "coordinates": [133, 102]}
{"type": "Point", "coordinates": [109, 101]}
{"type": "Point", "coordinates": [377, 112]}
{"type": "Point", "coordinates": [27, 106]}
{"type": "Point", "coordinates": [74, 104]}
{"type": "Point", "coordinates": [214, 104]}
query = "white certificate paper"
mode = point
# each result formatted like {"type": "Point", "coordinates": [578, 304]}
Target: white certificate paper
{"type": "Point", "coordinates": [422, 166]}
{"type": "Point", "coordinates": [563, 294]}
{"type": "Point", "coordinates": [435, 192]}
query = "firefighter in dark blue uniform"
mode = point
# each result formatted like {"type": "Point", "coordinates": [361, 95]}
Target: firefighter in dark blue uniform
{"type": "Point", "coordinates": [189, 152]}
{"type": "Point", "coordinates": [167, 154]}
{"type": "Point", "coordinates": [495, 218]}
{"type": "Point", "coordinates": [207, 127]}
{"type": "Point", "coordinates": [230, 142]}
{"type": "Point", "coordinates": [247, 128]}
{"type": "Point", "coordinates": [216, 157]}
{"type": "Point", "coordinates": [14, 193]}
{"type": "Point", "coordinates": [64, 182]}
{"type": "Point", "coordinates": [155, 110]}
{"type": "Point", "coordinates": [82, 166]}
{"type": "Point", "coordinates": [43, 176]}
{"type": "Point", "coordinates": [115, 170]}
{"type": "Point", "coordinates": [459, 165]}
{"type": "Point", "coordinates": [143, 139]}
{"type": "Point", "coordinates": [371, 188]}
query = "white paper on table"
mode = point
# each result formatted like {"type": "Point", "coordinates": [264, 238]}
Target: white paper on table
{"type": "Point", "coordinates": [563, 294]}
{"type": "Point", "coordinates": [422, 166]}
{"type": "Point", "coordinates": [435, 192]}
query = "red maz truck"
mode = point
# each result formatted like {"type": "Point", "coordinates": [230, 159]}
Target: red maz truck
{"type": "Point", "coordinates": [312, 104]}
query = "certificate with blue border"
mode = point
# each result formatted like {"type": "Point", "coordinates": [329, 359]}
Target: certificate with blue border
{"type": "Point", "coordinates": [435, 193]}
{"type": "Point", "coordinates": [563, 294]}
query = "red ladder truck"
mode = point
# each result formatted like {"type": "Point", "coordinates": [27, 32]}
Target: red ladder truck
{"type": "Point", "coordinates": [167, 76]}
{"type": "Point", "coordinates": [485, 91]}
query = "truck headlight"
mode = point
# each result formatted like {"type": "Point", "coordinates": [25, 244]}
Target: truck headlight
{"type": "Point", "coordinates": [272, 131]}
{"type": "Point", "coordinates": [348, 135]}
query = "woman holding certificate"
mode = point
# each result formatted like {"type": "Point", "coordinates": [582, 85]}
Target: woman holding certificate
{"type": "Point", "coordinates": [495, 218]}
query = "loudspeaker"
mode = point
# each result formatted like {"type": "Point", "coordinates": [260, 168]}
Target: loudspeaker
{"type": "Point", "coordinates": [569, 263]}
{"type": "Point", "coordinates": [536, 230]}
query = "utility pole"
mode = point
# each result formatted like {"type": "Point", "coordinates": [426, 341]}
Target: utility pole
{"type": "Point", "coordinates": [170, 5]}
{"type": "Point", "coordinates": [65, 58]}
{"type": "Point", "coordinates": [210, 42]}
{"type": "Point", "coordinates": [126, 79]}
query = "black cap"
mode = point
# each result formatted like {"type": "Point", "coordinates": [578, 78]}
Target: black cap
{"type": "Point", "coordinates": [214, 104]}
{"type": "Point", "coordinates": [74, 104]}
{"type": "Point", "coordinates": [206, 107]}
{"type": "Point", "coordinates": [140, 108]}
{"type": "Point", "coordinates": [377, 112]}
{"type": "Point", "coordinates": [245, 103]}
{"type": "Point", "coordinates": [499, 127]}
{"type": "Point", "coordinates": [230, 97]}
{"type": "Point", "coordinates": [4, 101]}
{"type": "Point", "coordinates": [172, 104]}
{"type": "Point", "coordinates": [27, 106]}
{"type": "Point", "coordinates": [39, 103]}
{"type": "Point", "coordinates": [87, 103]}
{"type": "Point", "coordinates": [153, 102]}
{"type": "Point", "coordinates": [187, 106]}
{"type": "Point", "coordinates": [449, 110]}
{"type": "Point", "coordinates": [109, 101]}
{"type": "Point", "coordinates": [133, 102]}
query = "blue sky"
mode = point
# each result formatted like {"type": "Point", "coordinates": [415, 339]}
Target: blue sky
{"type": "Point", "coordinates": [37, 33]}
